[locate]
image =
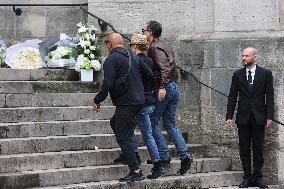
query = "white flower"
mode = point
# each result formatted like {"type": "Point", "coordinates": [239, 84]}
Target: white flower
{"type": "Point", "coordinates": [28, 58]}
{"type": "Point", "coordinates": [88, 48]}
{"type": "Point", "coordinates": [80, 24]}
{"type": "Point", "coordinates": [96, 65]}
{"type": "Point", "coordinates": [87, 51]}
{"type": "Point", "coordinates": [82, 29]}
{"type": "Point", "coordinates": [82, 43]}
{"type": "Point", "coordinates": [61, 52]}
{"type": "Point", "coordinates": [87, 36]}
{"type": "Point", "coordinates": [88, 43]}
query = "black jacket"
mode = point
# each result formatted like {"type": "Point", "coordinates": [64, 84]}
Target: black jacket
{"type": "Point", "coordinates": [116, 66]}
{"type": "Point", "coordinates": [150, 91]}
{"type": "Point", "coordinates": [259, 100]}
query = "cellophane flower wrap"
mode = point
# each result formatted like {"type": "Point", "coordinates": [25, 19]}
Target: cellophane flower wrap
{"type": "Point", "coordinates": [88, 50]}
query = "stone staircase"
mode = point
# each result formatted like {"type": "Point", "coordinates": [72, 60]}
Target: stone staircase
{"type": "Point", "coordinates": [51, 138]}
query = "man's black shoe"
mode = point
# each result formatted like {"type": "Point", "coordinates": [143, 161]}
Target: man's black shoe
{"type": "Point", "coordinates": [185, 165]}
{"type": "Point", "coordinates": [133, 177]}
{"type": "Point", "coordinates": [259, 183]}
{"type": "Point", "coordinates": [157, 170]}
{"type": "Point", "coordinates": [246, 183]}
{"type": "Point", "coordinates": [120, 160]}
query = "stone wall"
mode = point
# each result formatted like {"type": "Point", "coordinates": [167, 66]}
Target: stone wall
{"type": "Point", "coordinates": [39, 21]}
{"type": "Point", "coordinates": [207, 36]}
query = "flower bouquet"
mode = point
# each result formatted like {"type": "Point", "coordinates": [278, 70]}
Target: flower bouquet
{"type": "Point", "coordinates": [88, 49]}
{"type": "Point", "coordinates": [62, 56]}
{"type": "Point", "coordinates": [25, 55]}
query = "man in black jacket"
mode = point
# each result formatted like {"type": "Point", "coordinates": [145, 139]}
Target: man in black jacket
{"type": "Point", "coordinates": [253, 87]}
{"type": "Point", "coordinates": [129, 103]}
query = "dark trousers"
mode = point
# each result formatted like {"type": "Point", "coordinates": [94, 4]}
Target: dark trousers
{"type": "Point", "coordinates": [123, 123]}
{"type": "Point", "coordinates": [251, 135]}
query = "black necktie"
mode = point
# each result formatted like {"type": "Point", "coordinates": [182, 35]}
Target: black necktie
{"type": "Point", "coordinates": [249, 77]}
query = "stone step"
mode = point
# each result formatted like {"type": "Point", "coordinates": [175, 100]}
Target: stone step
{"type": "Point", "coordinates": [60, 143]}
{"type": "Point", "coordinates": [8, 74]}
{"type": "Point", "coordinates": [236, 187]}
{"type": "Point", "coordinates": [49, 100]}
{"type": "Point", "coordinates": [53, 177]}
{"type": "Point", "coordinates": [41, 114]}
{"type": "Point", "coordinates": [189, 181]}
{"type": "Point", "coordinates": [69, 159]}
{"type": "Point", "coordinates": [54, 128]}
{"type": "Point", "coordinates": [27, 87]}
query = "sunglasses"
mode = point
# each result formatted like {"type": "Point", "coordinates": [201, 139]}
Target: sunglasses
{"type": "Point", "coordinates": [143, 30]}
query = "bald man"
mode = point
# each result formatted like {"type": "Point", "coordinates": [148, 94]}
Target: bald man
{"type": "Point", "coordinates": [128, 102]}
{"type": "Point", "coordinates": [253, 87]}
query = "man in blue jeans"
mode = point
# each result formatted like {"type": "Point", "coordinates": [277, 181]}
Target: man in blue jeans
{"type": "Point", "coordinates": [138, 45]}
{"type": "Point", "coordinates": [168, 94]}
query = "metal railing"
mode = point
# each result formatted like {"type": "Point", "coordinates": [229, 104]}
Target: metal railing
{"type": "Point", "coordinates": [182, 71]}
{"type": "Point", "coordinates": [103, 24]}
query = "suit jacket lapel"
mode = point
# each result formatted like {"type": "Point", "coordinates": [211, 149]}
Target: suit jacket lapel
{"type": "Point", "coordinates": [257, 78]}
{"type": "Point", "coordinates": [245, 81]}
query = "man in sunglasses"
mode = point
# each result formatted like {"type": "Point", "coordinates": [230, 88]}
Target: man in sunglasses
{"type": "Point", "coordinates": [123, 65]}
{"type": "Point", "coordinates": [168, 95]}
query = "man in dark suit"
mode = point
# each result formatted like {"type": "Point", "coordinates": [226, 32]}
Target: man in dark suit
{"type": "Point", "coordinates": [253, 87]}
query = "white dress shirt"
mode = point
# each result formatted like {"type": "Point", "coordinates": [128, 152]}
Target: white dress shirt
{"type": "Point", "coordinates": [252, 73]}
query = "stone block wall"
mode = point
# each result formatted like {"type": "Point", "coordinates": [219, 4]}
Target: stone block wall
{"type": "Point", "coordinates": [39, 21]}
{"type": "Point", "coordinates": [207, 36]}
{"type": "Point", "coordinates": [221, 59]}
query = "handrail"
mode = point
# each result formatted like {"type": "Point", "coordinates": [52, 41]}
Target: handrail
{"type": "Point", "coordinates": [183, 71]}
{"type": "Point", "coordinates": [43, 5]}
{"type": "Point", "coordinates": [103, 23]}
{"type": "Point", "coordinates": [18, 11]}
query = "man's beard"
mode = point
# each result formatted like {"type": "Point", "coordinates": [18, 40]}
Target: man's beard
{"type": "Point", "coordinates": [246, 64]}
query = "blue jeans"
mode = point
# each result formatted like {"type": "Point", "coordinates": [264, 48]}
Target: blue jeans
{"type": "Point", "coordinates": [144, 123]}
{"type": "Point", "coordinates": [167, 110]}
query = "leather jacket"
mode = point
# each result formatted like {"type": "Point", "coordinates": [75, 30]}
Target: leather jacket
{"type": "Point", "coordinates": [165, 65]}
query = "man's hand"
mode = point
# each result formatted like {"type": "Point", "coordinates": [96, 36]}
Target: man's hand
{"type": "Point", "coordinates": [229, 122]}
{"type": "Point", "coordinates": [162, 94]}
{"type": "Point", "coordinates": [96, 107]}
{"type": "Point", "coordinates": [269, 122]}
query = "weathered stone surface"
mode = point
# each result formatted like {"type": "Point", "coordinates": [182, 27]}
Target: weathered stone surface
{"type": "Point", "coordinates": [8, 74]}
{"type": "Point", "coordinates": [49, 99]}
{"type": "Point", "coordinates": [54, 128]}
{"type": "Point", "coordinates": [48, 87]}
{"type": "Point", "coordinates": [63, 19]}
{"type": "Point", "coordinates": [36, 114]}
{"type": "Point", "coordinates": [202, 180]}
{"type": "Point", "coordinates": [240, 16]}
{"type": "Point", "coordinates": [29, 20]}
{"type": "Point", "coordinates": [2, 100]}
{"type": "Point", "coordinates": [72, 159]}
{"type": "Point", "coordinates": [177, 182]}
{"type": "Point", "coordinates": [138, 13]}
